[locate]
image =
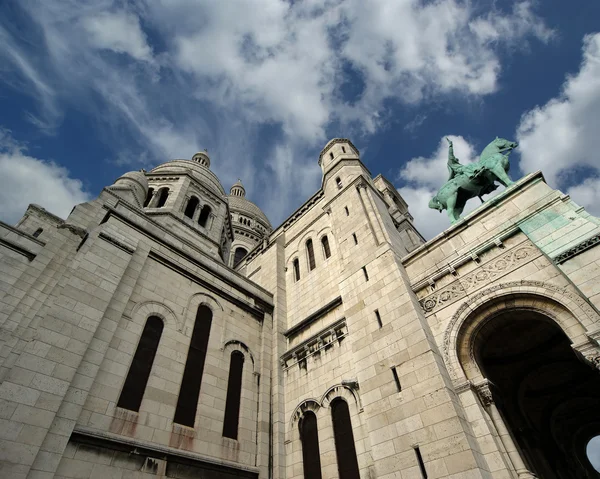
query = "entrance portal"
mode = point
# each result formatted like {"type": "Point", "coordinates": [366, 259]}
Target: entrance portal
{"type": "Point", "coordinates": [548, 397]}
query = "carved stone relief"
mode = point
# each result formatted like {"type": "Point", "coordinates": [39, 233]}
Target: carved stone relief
{"type": "Point", "coordinates": [483, 275]}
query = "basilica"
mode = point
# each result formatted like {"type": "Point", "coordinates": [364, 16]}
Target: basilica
{"type": "Point", "coordinates": [168, 329]}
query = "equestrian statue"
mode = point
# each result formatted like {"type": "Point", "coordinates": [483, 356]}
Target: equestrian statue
{"type": "Point", "coordinates": [475, 179]}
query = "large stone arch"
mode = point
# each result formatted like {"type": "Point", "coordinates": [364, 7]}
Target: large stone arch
{"type": "Point", "coordinates": [189, 314]}
{"type": "Point", "coordinates": [561, 304]}
{"type": "Point", "coordinates": [146, 309]}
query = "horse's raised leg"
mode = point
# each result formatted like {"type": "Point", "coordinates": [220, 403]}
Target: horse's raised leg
{"type": "Point", "coordinates": [451, 208]}
{"type": "Point", "coordinates": [501, 175]}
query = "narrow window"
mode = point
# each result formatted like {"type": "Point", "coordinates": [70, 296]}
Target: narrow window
{"type": "Point", "coordinates": [190, 209]}
{"type": "Point", "coordinates": [343, 149]}
{"type": "Point", "coordinates": [326, 250]}
{"type": "Point", "coordinates": [355, 238]}
{"type": "Point", "coordinates": [139, 371]}
{"type": "Point", "coordinates": [338, 182]}
{"type": "Point", "coordinates": [396, 379]}
{"type": "Point", "coordinates": [364, 268]}
{"type": "Point", "coordinates": [331, 155]}
{"type": "Point", "coordinates": [344, 440]}
{"type": "Point", "coordinates": [421, 463]}
{"type": "Point", "coordinates": [378, 316]}
{"type": "Point", "coordinates": [204, 213]}
{"type": "Point", "coordinates": [37, 232]}
{"type": "Point", "coordinates": [163, 194]}
{"type": "Point", "coordinates": [187, 402]}
{"type": "Point", "coordinates": [309, 437]}
{"type": "Point", "coordinates": [311, 255]}
{"type": "Point", "coordinates": [347, 212]}
{"type": "Point", "coordinates": [296, 269]}
{"type": "Point", "coordinates": [234, 395]}
{"type": "Point", "coordinates": [239, 255]}
{"type": "Point", "coordinates": [149, 196]}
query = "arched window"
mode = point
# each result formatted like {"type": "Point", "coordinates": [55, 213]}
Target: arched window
{"type": "Point", "coordinates": [338, 182]}
{"type": "Point", "coordinates": [344, 440]}
{"type": "Point", "coordinates": [163, 194]}
{"type": "Point", "coordinates": [204, 213]}
{"type": "Point", "coordinates": [234, 395]}
{"type": "Point", "coordinates": [190, 209]}
{"type": "Point", "coordinates": [309, 436]}
{"type": "Point", "coordinates": [325, 243]}
{"type": "Point", "coordinates": [149, 196]}
{"type": "Point", "coordinates": [239, 254]}
{"type": "Point", "coordinates": [37, 232]}
{"type": "Point", "coordinates": [296, 269]}
{"type": "Point", "coordinates": [139, 371]}
{"type": "Point", "coordinates": [189, 392]}
{"type": "Point", "coordinates": [311, 255]}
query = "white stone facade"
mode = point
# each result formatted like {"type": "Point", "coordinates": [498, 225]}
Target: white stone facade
{"type": "Point", "coordinates": [342, 303]}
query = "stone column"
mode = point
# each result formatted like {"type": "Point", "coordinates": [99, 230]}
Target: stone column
{"type": "Point", "coordinates": [485, 396]}
{"type": "Point", "coordinates": [370, 214]}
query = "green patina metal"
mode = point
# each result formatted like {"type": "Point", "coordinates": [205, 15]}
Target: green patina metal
{"type": "Point", "coordinates": [476, 179]}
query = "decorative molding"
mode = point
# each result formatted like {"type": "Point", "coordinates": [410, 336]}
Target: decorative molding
{"type": "Point", "coordinates": [335, 141]}
{"type": "Point", "coordinates": [577, 249]}
{"type": "Point", "coordinates": [486, 273]}
{"type": "Point", "coordinates": [119, 244]}
{"type": "Point", "coordinates": [324, 339]}
{"type": "Point", "coordinates": [17, 249]}
{"type": "Point", "coordinates": [473, 255]}
{"type": "Point", "coordinates": [76, 230]}
{"type": "Point", "coordinates": [484, 393]}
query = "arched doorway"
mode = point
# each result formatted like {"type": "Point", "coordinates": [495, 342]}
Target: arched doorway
{"type": "Point", "coordinates": [547, 396]}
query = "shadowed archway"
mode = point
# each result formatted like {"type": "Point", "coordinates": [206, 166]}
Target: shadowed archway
{"type": "Point", "coordinates": [548, 397]}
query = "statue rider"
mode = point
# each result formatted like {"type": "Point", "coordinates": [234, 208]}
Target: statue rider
{"type": "Point", "coordinates": [454, 166]}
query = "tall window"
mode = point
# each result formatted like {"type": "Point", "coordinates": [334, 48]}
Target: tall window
{"type": "Point", "coordinates": [338, 182]}
{"type": "Point", "coordinates": [311, 255]}
{"type": "Point", "coordinates": [139, 371]}
{"type": "Point", "coordinates": [163, 194]}
{"type": "Point", "coordinates": [190, 209]}
{"type": "Point", "coordinates": [344, 440]}
{"type": "Point", "coordinates": [239, 254]}
{"type": "Point", "coordinates": [309, 436]}
{"type": "Point", "coordinates": [204, 213]}
{"type": "Point", "coordinates": [296, 270]}
{"type": "Point", "coordinates": [187, 402]}
{"type": "Point", "coordinates": [234, 395]}
{"type": "Point", "coordinates": [37, 232]}
{"type": "Point", "coordinates": [326, 250]}
{"type": "Point", "coordinates": [149, 196]}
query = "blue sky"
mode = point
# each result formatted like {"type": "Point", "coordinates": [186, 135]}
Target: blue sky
{"type": "Point", "coordinates": [90, 89]}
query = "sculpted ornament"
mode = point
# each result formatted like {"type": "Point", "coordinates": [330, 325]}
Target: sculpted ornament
{"type": "Point", "coordinates": [476, 179]}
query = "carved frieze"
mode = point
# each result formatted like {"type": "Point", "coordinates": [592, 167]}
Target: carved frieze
{"type": "Point", "coordinates": [482, 276]}
{"type": "Point", "coordinates": [579, 248]}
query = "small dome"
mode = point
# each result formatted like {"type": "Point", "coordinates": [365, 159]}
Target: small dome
{"type": "Point", "coordinates": [199, 172]}
{"type": "Point", "coordinates": [202, 158]}
{"type": "Point", "coordinates": [239, 204]}
{"type": "Point", "coordinates": [135, 181]}
{"type": "Point", "coordinates": [238, 189]}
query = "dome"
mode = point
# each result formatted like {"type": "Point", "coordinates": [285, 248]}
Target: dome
{"type": "Point", "coordinates": [239, 204]}
{"type": "Point", "coordinates": [200, 172]}
{"type": "Point", "coordinates": [202, 158]}
{"type": "Point", "coordinates": [136, 181]}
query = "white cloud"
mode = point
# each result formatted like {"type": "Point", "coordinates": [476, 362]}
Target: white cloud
{"type": "Point", "coordinates": [562, 135]}
{"type": "Point", "coordinates": [268, 62]}
{"type": "Point", "coordinates": [25, 180]}
{"type": "Point", "coordinates": [587, 194]}
{"type": "Point", "coordinates": [119, 32]}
